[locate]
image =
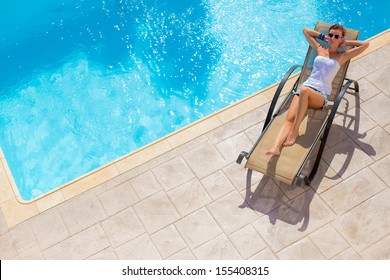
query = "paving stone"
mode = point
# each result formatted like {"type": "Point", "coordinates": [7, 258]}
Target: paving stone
{"type": "Point", "coordinates": [374, 61]}
{"type": "Point", "coordinates": [81, 212]}
{"type": "Point", "coordinates": [381, 79]}
{"type": "Point", "coordinates": [204, 160]}
{"type": "Point", "coordinates": [347, 158]}
{"type": "Point", "coordinates": [265, 254]}
{"type": "Point", "coordinates": [367, 223]}
{"type": "Point", "coordinates": [145, 185]}
{"type": "Point", "coordinates": [353, 191]}
{"type": "Point", "coordinates": [328, 241]}
{"type": "Point", "coordinates": [3, 224]}
{"type": "Point", "coordinates": [33, 253]}
{"type": "Point", "coordinates": [80, 246]}
{"type": "Point", "coordinates": [23, 237]}
{"type": "Point", "coordinates": [375, 108]}
{"type": "Point", "coordinates": [168, 241]}
{"type": "Point", "coordinates": [218, 248]}
{"type": "Point", "coordinates": [49, 235]}
{"type": "Point", "coordinates": [348, 254]}
{"type": "Point", "coordinates": [230, 148]}
{"type": "Point", "coordinates": [8, 250]}
{"type": "Point", "coordinates": [173, 173]}
{"type": "Point", "coordinates": [198, 228]}
{"type": "Point", "coordinates": [141, 248]}
{"type": "Point", "coordinates": [118, 198]}
{"type": "Point", "coordinates": [378, 251]}
{"type": "Point", "coordinates": [247, 241]}
{"type": "Point", "coordinates": [189, 197]}
{"type": "Point", "coordinates": [185, 254]}
{"type": "Point", "coordinates": [229, 215]}
{"type": "Point", "coordinates": [156, 212]}
{"type": "Point", "coordinates": [106, 254]}
{"type": "Point", "coordinates": [304, 249]}
{"type": "Point", "coordinates": [293, 221]}
{"type": "Point", "coordinates": [217, 184]}
{"type": "Point", "coordinates": [122, 227]}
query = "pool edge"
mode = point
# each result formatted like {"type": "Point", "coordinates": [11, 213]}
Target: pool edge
{"type": "Point", "coordinates": [16, 210]}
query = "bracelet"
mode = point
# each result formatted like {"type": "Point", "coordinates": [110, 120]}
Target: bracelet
{"type": "Point", "coordinates": [321, 36]}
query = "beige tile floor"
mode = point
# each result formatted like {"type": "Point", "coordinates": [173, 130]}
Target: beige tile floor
{"type": "Point", "coordinates": [189, 203]}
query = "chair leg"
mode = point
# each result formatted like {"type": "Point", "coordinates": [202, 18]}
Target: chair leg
{"type": "Point", "coordinates": [241, 156]}
{"type": "Point", "coordinates": [327, 128]}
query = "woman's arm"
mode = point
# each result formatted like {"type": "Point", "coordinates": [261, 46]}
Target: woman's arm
{"type": "Point", "coordinates": [357, 48]}
{"type": "Point", "coordinates": [311, 36]}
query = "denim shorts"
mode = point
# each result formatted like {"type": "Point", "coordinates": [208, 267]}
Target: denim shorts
{"type": "Point", "coordinates": [297, 92]}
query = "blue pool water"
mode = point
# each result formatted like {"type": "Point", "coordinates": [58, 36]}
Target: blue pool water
{"type": "Point", "coordinates": [85, 82]}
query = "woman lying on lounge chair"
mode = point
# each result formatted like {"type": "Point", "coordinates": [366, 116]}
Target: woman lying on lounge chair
{"type": "Point", "coordinates": [315, 90]}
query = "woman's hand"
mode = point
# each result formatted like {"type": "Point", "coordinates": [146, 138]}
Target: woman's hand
{"type": "Point", "coordinates": [343, 43]}
{"type": "Point", "coordinates": [326, 38]}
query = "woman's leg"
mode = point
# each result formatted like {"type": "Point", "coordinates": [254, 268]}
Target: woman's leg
{"type": "Point", "coordinates": [308, 98]}
{"type": "Point", "coordinates": [285, 128]}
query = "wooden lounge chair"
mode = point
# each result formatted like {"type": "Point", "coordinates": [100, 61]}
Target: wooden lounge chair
{"type": "Point", "coordinates": [288, 167]}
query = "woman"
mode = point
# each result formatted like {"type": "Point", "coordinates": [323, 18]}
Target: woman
{"type": "Point", "coordinates": [316, 89]}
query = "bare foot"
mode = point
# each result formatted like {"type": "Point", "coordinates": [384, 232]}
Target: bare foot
{"type": "Point", "coordinates": [273, 152]}
{"type": "Point", "coordinates": [291, 138]}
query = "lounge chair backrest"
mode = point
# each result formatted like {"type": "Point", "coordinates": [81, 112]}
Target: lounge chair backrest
{"type": "Point", "coordinates": [322, 27]}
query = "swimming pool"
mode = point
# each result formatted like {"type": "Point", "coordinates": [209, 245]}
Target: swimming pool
{"type": "Point", "coordinates": [85, 82]}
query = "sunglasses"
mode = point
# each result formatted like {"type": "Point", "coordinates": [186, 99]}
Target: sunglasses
{"type": "Point", "coordinates": [336, 36]}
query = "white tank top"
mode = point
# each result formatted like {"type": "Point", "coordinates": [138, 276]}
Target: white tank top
{"type": "Point", "coordinates": [323, 73]}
